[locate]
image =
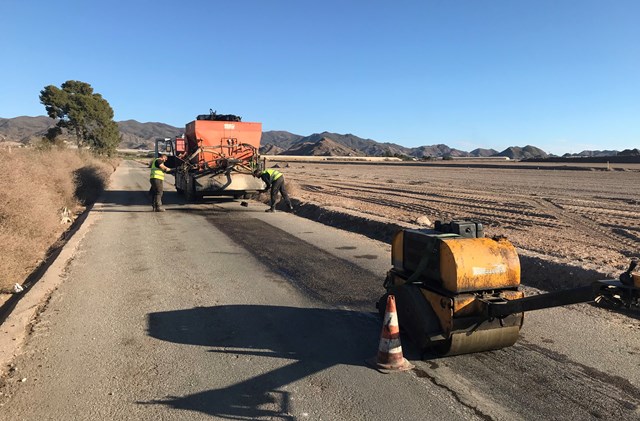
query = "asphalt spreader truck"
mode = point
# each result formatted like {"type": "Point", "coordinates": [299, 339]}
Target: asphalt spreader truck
{"type": "Point", "coordinates": [215, 156]}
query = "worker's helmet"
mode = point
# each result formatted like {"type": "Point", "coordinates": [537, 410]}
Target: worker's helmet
{"type": "Point", "coordinates": [257, 172]}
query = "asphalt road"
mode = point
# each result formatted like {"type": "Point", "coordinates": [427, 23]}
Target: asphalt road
{"type": "Point", "coordinates": [218, 310]}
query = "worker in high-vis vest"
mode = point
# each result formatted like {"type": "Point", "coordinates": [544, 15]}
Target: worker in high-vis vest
{"type": "Point", "coordinates": [157, 181]}
{"type": "Point", "coordinates": [274, 180]}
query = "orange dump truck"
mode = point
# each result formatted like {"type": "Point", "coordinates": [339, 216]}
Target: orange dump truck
{"type": "Point", "coordinates": [216, 157]}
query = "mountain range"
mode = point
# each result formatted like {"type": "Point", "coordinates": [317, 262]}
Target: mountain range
{"type": "Point", "coordinates": [335, 144]}
{"type": "Point", "coordinates": [136, 135]}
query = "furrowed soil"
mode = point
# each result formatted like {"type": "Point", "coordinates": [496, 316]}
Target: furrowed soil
{"type": "Point", "coordinates": [571, 225]}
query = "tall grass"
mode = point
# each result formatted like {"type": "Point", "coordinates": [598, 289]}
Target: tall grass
{"type": "Point", "coordinates": [35, 186]}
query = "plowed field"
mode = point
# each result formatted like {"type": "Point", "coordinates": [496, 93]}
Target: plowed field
{"type": "Point", "coordinates": [573, 223]}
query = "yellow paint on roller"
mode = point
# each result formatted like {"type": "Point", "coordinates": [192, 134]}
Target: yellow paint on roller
{"type": "Point", "coordinates": [476, 264]}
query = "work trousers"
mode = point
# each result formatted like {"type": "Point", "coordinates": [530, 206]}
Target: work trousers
{"type": "Point", "coordinates": [156, 192]}
{"type": "Point", "coordinates": [278, 186]}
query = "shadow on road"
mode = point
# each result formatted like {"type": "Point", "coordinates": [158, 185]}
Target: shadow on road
{"type": "Point", "coordinates": [311, 340]}
{"type": "Point", "coordinates": [114, 200]}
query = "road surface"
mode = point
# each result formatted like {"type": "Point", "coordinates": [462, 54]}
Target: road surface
{"type": "Point", "coordinates": [214, 310]}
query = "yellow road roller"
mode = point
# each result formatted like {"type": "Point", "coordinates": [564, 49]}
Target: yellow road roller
{"type": "Point", "coordinates": [458, 291]}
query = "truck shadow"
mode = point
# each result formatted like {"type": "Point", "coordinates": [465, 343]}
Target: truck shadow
{"type": "Point", "coordinates": [309, 340]}
{"type": "Point", "coordinates": [119, 200]}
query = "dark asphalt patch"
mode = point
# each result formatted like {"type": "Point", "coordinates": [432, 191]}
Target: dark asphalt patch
{"type": "Point", "coordinates": [321, 275]}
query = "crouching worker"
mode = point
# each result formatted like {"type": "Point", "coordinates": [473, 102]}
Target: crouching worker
{"type": "Point", "coordinates": [274, 181]}
{"type": "Point", "coordinates": [157, 180]}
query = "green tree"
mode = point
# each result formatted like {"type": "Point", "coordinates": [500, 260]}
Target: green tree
{"type": "Point", "coordinates": [85, 114]}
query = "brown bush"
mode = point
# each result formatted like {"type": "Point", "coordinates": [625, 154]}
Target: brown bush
{"type": "Point", "coordinates": [35, 187]}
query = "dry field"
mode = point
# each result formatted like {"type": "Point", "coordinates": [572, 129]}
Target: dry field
{"type": "Point", "coordinates": [570, 225]}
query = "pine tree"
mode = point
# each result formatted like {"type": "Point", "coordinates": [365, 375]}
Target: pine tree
{"type": "Point", "coordinates": [83, 113]}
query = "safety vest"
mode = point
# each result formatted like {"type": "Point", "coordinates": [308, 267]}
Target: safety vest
{"type": "Point", "coordinates": [273, 174]}
{"type": "Point", "coordinates": [155, 171]}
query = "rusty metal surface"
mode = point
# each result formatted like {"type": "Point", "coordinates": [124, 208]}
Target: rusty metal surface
{"type": "Point", "coordinates": [473, 264]}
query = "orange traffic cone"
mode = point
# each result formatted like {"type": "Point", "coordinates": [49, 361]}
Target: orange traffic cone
{"type": "Point", "coordinates": [390, 357]}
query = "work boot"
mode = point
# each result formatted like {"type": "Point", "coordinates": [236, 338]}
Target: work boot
{"type": "Point", "coordinates": [159, 209]}
{"type": "Point", "coordinates": [270, 210]}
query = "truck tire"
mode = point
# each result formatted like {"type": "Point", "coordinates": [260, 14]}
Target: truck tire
{"type": "Point", "coordinates": [190, 192]}
{"type": "Point", "coordinates": [179, 182]}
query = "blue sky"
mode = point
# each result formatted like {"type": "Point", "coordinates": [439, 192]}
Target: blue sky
{"type": "Point", "coordinates": [560, 75]}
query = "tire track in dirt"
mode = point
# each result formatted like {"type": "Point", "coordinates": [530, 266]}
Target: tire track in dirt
{"type": "Point", "coordinates": [586, 226]}
{"type": "Point", "coordinates": [449, 206]}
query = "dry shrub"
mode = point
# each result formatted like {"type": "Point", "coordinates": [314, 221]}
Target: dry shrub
{"type": "Point", "coordinates": [36, 186]}
{"type": "Point", "coordinates": [90, 181]}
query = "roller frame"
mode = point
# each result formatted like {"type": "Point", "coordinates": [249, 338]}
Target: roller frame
{"type": "Point", "coordinates": [495, 317]}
